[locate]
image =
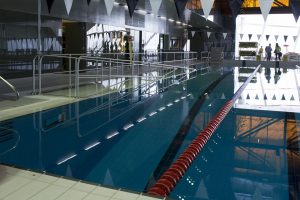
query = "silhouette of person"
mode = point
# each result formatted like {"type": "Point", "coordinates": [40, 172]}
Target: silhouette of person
{"type": "Point", "coordinates": [268, 74]}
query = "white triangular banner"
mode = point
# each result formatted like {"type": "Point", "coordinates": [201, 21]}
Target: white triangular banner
{"type": "Point", "coordinates": [241, 36]}
{"type": "Point", "coordinates": [295, 38]}
{"type": "Point", "coordinates": [276, 37]}
{"type": "Point", "coordinates": [207, 6]}
{"type": "Point", "coordinates": [265, 7]}
{"type": "Point", "coordinates": [193, 33]}
{"type": "Point", "coordinates": [109, 4]}
{"type": "Point", "coordinates": [258, 36]}
{"type": "Point", "coordinates": [68, 4]}
{"type": "Point", "coordinates": [208, 34]}
{"type": "Point", "coordinates": [155, 5]}
{"type": "Point", "coordinates": [224, 35]}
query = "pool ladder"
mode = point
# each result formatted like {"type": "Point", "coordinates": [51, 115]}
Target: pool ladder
{"type": "Point", "coordinates": [11, 87]}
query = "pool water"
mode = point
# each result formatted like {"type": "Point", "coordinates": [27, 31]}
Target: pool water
{"type": "Point", "coordinates": [129, 143]}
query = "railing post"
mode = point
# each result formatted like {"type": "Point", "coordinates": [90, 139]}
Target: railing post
{"type": "Point", "coordinates": [40, 75]}
{"type": "Point", "coordinates": [109, 75]}
{"type": "Point", "coordinates": [33, 76]}
{"type": "Point", "coordinates": [70, 74]}
{"type": "Point", "coordinates": [77, 77]}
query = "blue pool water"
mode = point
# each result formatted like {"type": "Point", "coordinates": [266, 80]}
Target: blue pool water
{"type": "Point", "coordinates": [253, 155]}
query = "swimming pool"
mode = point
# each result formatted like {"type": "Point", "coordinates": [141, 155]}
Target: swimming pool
{"type": "Point", "coordinates": [131, 142]}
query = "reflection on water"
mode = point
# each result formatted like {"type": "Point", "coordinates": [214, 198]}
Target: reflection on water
{"type": "Point", "coordinates": [272, 87]}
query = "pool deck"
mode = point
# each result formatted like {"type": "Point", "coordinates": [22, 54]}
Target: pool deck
{"type": "Point", "coordinates": [16, 184]}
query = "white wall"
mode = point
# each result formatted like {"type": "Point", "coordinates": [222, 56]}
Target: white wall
{"type": "Point", "coordinates": [276, 24]}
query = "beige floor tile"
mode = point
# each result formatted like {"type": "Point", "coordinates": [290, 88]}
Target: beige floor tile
{"type": "Point", "coordinates": [47, 179]}
{"type": "Point", "coordinates": [50, 193]}
{"type": "Point", "coordinates": [96, 197]}
{"type": "Point", "coordinates": [64, 183]}
{"type": "Point", "coordinates": [84, 187]}
{"type": "Point", "coordinates": [27, 191]}
{"type": "Point", "coordinates": [104, 191]}
{"type": "Point", "coordinates": [72, 195]}
{"type": "Point", "coordinates": [11, 184]}
{"type": "Point", "coordinates": [125, 195]}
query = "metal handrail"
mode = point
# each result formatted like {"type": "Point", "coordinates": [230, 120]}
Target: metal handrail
{"type": "Point", "coordinates": [93, 58]}
{"type": "Point", "coordinates": [11, 87]}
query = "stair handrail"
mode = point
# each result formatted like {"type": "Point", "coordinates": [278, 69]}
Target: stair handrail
{"type": "Point", "coordinates": [11, 87]}
{"type": "Point", "coordinates": [172, 176]}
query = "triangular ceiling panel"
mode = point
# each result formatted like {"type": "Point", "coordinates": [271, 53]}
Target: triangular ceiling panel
{"type": "Point", "coordinates": [68, 4]}
{"type": "Point", "coordinates": [208, 34]}
{"type": "Point", "coordinates": [295, 7]}
{"type": "Point", "coordinates": [265, 7]}
{"type": "Point", "coordinates": [180, 7]}
{"type": "Point", "coordinates": [109, 4]}
{"type": "Point", "coordinates": [50, 4]}
{"type": "Point", "coordinates": [207, 6]}
{"type": "Point", "coordinates": [155, 5]}
{"type": "Point", "coordinates": [131, 6]}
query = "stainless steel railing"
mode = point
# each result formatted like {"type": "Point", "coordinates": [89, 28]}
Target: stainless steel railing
{"type": "Point", "coordinates": [11, 87]}
{"type": "Point", "coordinates": [107, 67]}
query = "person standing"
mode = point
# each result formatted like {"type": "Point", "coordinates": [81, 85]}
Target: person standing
{"type": "Point", "coordinates": [260, 52]}
{"type": "Point", "coordinates": [277, 52]}
{"type": "Point", "coordinates": [268, 51]}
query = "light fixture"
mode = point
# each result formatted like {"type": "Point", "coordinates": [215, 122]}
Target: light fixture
{"type": "Point", "coordinates": [66, 159]}
{"type": "Point", "coordinates": [112, 135]}
{"type": "Point", "coordinates": [171, 20]}
{"type": "Point", "coordinates": [91, 146]}
{"type": "Point", "coordinates": [128, 126]}
{"type": "Point", "coordinates": [153, 113]}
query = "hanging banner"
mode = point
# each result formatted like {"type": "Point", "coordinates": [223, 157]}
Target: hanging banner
{"type": "Point", "coordinates": [295, 7]}
{"type": "Point", "coordinates": [155, 5]}
{"type": "Point", "coordinates": [208, 34]}
{"type": "Point", "coordinates": [267, 37]}
{"type": "Point", "coordinates": [207, 6]}
{"type": "Point", "coordinates": [265, 97]}
{"type": "Point", "coordinates": [180, 7]}
{"type": "Point", "coordinates": [224, 35]}
{"type": "Point", "coordinates": [285, 37]}
{"type": "Point", "coordinates": [241, 36]}
{"type": "Point", "coordinates": [88, 2]}
{"type": "Point", "coordinates": [250, 36]}
{"type": "Point", "coordinates": [258, 36]}
{"type": "Point", "coordinates": [49, 4]}
{"type": "Point", "coordinates": [295, 38]}
{"type": "Point", "coordinates": [131, 6]}
{"type": "Point", "coordinates": [283, 97]}
{"type": "Point", "coordinates": [265, 7]}
{"type": "Point", "coordinates": [292, 98]}
{"type": "Point", "coordinates": [256, 97]}
{"type": "Point", "coordinates": [274, 97]}
{"type": "Point", "coordinates": [193, 33]}
{"type": "Point", "coordinates": [248, 96]}
{"type": "Point", "coordinates": [68, 4]}
{"type": "Point", "coordinates": [276, 37]}
{"type": "Point", "coordinates": [109, 4]}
